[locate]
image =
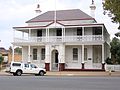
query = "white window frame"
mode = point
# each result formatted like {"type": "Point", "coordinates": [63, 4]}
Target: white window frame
{"type": "Point", "coordinates": [75, 54]}
{"type": "Point", "coordinates": [42, 54]}
{"type": "Point", "coordinates": [35, 54]}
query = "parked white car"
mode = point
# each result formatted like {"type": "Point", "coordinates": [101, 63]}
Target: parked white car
{"type": "Point", "coordinates": [18, 68]}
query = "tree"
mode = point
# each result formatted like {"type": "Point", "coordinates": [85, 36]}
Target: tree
{"type": "Point", "coordinates": [115, 51]}
{"type": "Point", "coordinates": [112, 7]}
{"type": "Point", "coordinates": [1, 60]}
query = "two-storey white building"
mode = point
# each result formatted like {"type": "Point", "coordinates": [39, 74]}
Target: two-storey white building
{"type": "Point", "coordinates": [74, 41]}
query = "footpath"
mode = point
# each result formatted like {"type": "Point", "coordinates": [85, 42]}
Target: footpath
{"type": "Point", "coordinates": [75, 73]}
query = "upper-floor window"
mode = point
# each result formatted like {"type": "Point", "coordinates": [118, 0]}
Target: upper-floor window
{"type": "Point", "coordinates": [42, 53]}
{"type": "Point", "coordinates": [75, 53]}
{"type": "Point", "coordinates": [97, 30]}
{"type": "Point", "coordinates": [34, 54]}
{"type": "Point", "coordinates": [58, 32]}
{"type": "Point", "coordinates": [39, 33]}
{"type": "Point", "coordinates": [79, 31]}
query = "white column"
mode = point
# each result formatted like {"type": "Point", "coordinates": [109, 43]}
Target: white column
{"type": "Point", "coordinates": [102, 33]}
{"type": "Point", "coordinates": [82, 53]}
{"type": "Point", "coordinates": [83, 31]}
{"type": "Point", "coordinates": [61, 55]}
{"type": "Point", "coordinates": [64, 31]}
{"type": "Point", "coordinates": [62, 34]}
{"type": "Point", "coordinates": [29, 54]}
{"type": "Point", "coordinates": [29, 34]}
{"type": "Point", "coordinates": [22, 35]}
{"type": "Point", "coordinates": [46, 34]}
{"type": "Point", "coordinates": [103, 61]}
{"type": "Point", "coordinates": [13, 53]}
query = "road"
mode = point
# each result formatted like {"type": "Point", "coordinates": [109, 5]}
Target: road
{"type": "Point", "coordinates": [58, 83]}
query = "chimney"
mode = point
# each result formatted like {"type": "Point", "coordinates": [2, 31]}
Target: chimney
{"type": "Point", "coordinates": [92, 7]}
{"type": "Point", "coordinates": [38, 11]}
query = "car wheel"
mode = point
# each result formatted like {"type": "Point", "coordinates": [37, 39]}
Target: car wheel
{"type": "Point", "coordinates": [41, 73]}
{"type": "Point", "coordinates": [19, 73]}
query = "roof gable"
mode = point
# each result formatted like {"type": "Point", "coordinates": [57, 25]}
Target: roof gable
{"type": "Point", "coordinates": [61, 15]}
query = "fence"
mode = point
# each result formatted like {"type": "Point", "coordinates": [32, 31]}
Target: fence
{"type": "Point", "coordinates": [112, 67]}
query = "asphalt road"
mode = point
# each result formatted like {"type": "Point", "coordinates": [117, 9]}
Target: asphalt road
{"type": "Point", "coordinates": [59, 83]}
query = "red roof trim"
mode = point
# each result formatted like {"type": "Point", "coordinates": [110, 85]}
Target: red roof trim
{"type": "Point", "coordinates": [33, 26]}
{"type": "Point", "coordinates": [29, 27]}
{"type": "Point", "coordinates": [84, 25]}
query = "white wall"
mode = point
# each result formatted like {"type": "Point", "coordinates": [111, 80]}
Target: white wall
{"type": "Point", "coordinates": [69, 57]}
{"type": "Point", "coordinates": [38, 62]}
{"type": "Point", "coordinates": [25, 54]}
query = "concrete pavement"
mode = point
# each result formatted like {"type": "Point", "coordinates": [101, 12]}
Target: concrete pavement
{"type": "Point", "coordinates": [74, 73]}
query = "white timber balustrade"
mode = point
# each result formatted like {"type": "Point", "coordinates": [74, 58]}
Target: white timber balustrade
{"type": "Point", "coordinates": [85, 38]}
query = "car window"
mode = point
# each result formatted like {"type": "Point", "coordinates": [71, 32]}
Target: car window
{"type": "Point", "coordinates": [33, 66]}
{"type": "Point", "coordinates": [26, 65]}
{"type": "Point", "coordinates": [16, 64]}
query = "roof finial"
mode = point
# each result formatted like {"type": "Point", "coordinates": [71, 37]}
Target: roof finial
{"type": "Point", "coordinates": [92, 1]}
{"type": "Point", "coordinates": [38, 8]}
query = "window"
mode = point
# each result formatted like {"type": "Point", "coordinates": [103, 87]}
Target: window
{"type": "Point", "coordinates": [97, 30]}
{"type": "Point", "coordinates": [75, 53]}
{"type": "Point", "coordinates": [39, 33]}
{"type": "Point", "coordinates": [42, 53]}
{"type": "Point", "coordinates": [16, 64]}
{"type": "Point", "coordinates": [35, 54]}
{"type": "Point", "coordinates": [85, 54]}
{"type": "Point", "coordinates": [59, 32]}
{"type": "Point", "coordinates": [33, 66]}
{"type": "Point", "coordinates": [79, 31]}
{"type": "Point", "coordinates": [26, 65]}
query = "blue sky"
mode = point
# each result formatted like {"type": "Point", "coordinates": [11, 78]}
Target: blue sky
{"type": "Point", "coordinates": [16, 12]}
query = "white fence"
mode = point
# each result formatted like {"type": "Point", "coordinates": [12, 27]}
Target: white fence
{"type": "Point", "coordinates": [112, 67]}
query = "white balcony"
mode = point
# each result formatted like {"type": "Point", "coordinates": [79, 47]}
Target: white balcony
{"type": "Point", "coordinates": [56, 39]}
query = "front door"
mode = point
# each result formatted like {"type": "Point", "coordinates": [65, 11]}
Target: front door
{"type": "Point", "coordinates": [55, 62]}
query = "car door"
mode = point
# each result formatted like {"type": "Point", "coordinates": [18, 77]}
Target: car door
{"type": "Point", "coordinates": [34, 69]}
{"type": "Point", "coordinates": [26, 68]}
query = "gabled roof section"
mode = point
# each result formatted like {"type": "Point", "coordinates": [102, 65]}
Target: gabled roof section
{"type": "Point", "coordinates": [62, 15]}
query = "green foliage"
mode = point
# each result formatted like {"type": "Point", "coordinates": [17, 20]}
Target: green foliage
{"type": "Point", "coordinates": [115, 51]}
{"type": "Point", "coordinates": [113, 7]}
{"type": "Point", "coordinates": [109, 61]}
{"type": "Point", "coordinates": [1, 59]}
{"type": "Point", "coordinates": [18, 50]}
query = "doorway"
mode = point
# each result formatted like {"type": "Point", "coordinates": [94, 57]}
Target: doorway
{"type": "Point", "coordinates": [55, 61]}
